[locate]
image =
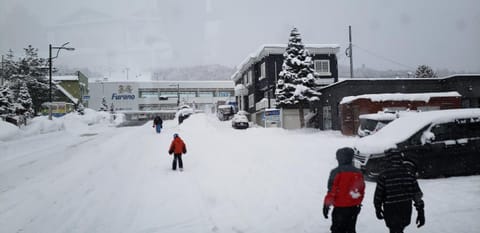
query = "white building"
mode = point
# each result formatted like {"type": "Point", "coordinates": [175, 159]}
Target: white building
{"type": "Point", "coordinates": [145, 95]}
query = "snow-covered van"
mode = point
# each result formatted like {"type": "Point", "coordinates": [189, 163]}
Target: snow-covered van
{"type": "Point", "coordinates": [225, 112]}
{"type": "Point", "coordinates": [434, 143]}
{"type": "Point", "coordinates": [373, 122]}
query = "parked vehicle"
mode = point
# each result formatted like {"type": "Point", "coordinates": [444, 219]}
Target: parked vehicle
{"type": "Point", "coordinates": [183, 113]}
{"type": "Point", "coordinates": [435, 144]}
{"type": "Point", "coordinates": [58, 108]}
{"type": "Point", "coordinates": [371, 123]}
{"type": "Point", "coordinates": [225, 112]}
{"type": "Point", "coordinates": [240, 120]}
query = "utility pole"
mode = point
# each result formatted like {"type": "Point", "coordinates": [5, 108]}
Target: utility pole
{"type": "Point", "coordinates": [3, 72]}
{"type": "Point", "coordinates": [349, 51]}
{"type": "Point", "coordinates": [50, 58]}
{"type": "Point", "coordinates": [178, 94]}
{"type": "Point", "coordinates": [50, 81]}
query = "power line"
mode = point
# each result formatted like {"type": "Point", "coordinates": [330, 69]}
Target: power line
{"type": "Point", "coordinates": [383, 57]}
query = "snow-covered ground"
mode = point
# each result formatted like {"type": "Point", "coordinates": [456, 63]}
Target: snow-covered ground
{"type": "Point", "coordinates": [78, 175]}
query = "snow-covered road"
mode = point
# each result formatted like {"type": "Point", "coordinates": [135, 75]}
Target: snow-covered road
{"type": "Point", "coordinates": [255, 180]}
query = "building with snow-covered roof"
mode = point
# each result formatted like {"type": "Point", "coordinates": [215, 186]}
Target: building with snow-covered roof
{"type": "Point", "coordinates": [328, 115]}
{"type": "Point", "coordinates": [352, 107]}
{"type": "Point", "coordinates": [162, 97]}
{"type": "Point", "coordinates": [256, 76]}
{"type": "Point", "coordinates": [73, 88]}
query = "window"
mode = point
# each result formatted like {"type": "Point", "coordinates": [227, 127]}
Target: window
{"type": "Point", "coordinates": [444, 131]}
{"type": "Point", "coordinates": [251, 101]}
{"type": "Point", "coordinates": [262, 71]}
{"type": "Point", "coordinates": [205, 94]}
{"type": "Point", "coordinates": [327, 117]}
{"type": "Point", "coordinates": [169, 94]}
{"type": "Point", "coordinates": [188, 94]}
{"type": "Point", "coordinates": [148, 94]}
{"type": "Point", "coordinates": [224, 94]}
{"type": "Point", "coordinates": [322, 67]}
{"type": "Point", "coordinates": [250, 77]}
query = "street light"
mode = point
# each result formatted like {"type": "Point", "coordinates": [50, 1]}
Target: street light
{"type": "Point", "coordinates": [50, 58]}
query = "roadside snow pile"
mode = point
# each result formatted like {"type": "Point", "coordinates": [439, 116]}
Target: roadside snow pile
{"type": "Point", "coordinates": [72, 122]}
{"type": "Point", "coordinates": [7, 130]}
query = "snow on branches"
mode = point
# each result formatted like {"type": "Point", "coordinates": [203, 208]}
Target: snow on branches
{"type": "Point", "coordinates": [296, 80]}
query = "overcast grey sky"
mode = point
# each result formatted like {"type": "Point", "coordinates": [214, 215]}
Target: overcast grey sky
{"type": "Point", "coordinates": [146, 34]}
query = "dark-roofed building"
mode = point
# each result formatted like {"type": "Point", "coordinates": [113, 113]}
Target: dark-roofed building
{"type": "Point", "coordinates": [328, 117]}
{"type": "Point", "coordinates": [256, 77]}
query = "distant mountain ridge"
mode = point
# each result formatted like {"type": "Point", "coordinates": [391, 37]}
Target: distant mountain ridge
{"type": "Point", "coordinates": [205, 72]}
{"type": "Point", "coordinates": [221, 72]}
{"type": "Point", "coordinates": [365, 72]}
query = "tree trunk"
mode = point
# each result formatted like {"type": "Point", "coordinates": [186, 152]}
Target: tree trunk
{"type": "Point", "coordinates": [301, 116]}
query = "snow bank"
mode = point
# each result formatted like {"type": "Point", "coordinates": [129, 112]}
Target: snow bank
{"type": "Point", "coordinates": [72, 122]}
{"type": "Point", "coordinates": [7, 130]}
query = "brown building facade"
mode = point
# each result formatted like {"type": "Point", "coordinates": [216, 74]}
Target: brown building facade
{"type": "Point", "coordinates": [351, 107]}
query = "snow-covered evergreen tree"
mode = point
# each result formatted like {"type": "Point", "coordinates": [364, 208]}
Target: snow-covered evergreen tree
{"type": "Point", "coordinates": [24, 100]}
{"type": "Point", "coordinates": [9, 66]}
{"type": "Point", "coordinates": [424, 71]}
{"type": "Point", "coordinates": [30, 70]}
{"type": "Point", "coordinates": [6, 100]}
{"type": "Point", "coordinates": [296, 82]}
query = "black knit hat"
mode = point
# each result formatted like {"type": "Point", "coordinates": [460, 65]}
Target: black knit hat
{"type": "Point", "coordinates": [345, 155]}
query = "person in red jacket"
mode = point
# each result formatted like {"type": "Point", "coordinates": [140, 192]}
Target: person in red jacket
{"type": "Point", "coordinates": [346, 188]}
{"type": "Point", "coordinates": [177, 148]}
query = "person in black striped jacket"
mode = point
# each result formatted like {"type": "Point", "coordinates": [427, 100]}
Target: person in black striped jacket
{"type": "Point", "coordinates": [396, 188]}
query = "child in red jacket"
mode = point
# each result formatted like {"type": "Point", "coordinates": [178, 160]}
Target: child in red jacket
{"type": "Point", "coordinates": [177, 148]}
{"type": "Point", "coordinates": [346, 188]}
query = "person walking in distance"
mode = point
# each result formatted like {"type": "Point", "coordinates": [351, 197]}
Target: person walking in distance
{"type": "Point", "coordinates": [177, 148]}
{"type": "Point", "coordinates": [158, 124]}
{"type": "Point", "coordinates": [396, 188]}
{"type": "Point", "coordinates": [346, 188]}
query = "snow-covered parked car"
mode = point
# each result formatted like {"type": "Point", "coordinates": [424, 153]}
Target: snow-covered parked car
{"type": "Point", "coordinates": [371, 123]}
{"type": "Point", "coordinates": [435, 143]}
{"type": "Point", "coordinates": [225, 112]}
{"type": "Point", "coordinates": [183, 113]}
{"type": "Point", "coordinates": [240, 120]}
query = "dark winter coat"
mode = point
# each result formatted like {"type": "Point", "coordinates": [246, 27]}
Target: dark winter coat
{"type": "Point", "coordinates": [346, 186]}
{"type": "Point", "coordinates": [397, 184]}
{"type": "Point", "coordinates": [177, 146]}
{"type": "Point", "coordinates": [158, 121]}
{"type": "Point", "coordinates": [396, 188]}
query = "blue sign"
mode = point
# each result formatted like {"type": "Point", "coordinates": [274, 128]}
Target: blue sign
{"type": "Point", "coordinates": [273, 112]}
{"type": "Point", "coordinates": [272, 118]}
{"type": "Point", "coordinates": [116, 96]}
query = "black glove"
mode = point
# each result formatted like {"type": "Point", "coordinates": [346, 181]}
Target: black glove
{"type": "Point", "coordinates": [379, 213]}
{"type": "Point", "coordinates": [420, 218]}
{"type": "Point", "coordinates": [326, 208]}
